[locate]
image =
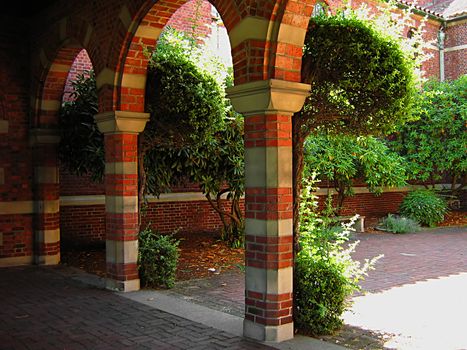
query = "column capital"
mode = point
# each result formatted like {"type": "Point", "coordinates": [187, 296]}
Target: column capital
{"type": "Point", "coordinates": [40, 136]}
{"type": "Point", "coordinates": [121, 122]}
{"type": "Point", "coordinates": [271, 96]}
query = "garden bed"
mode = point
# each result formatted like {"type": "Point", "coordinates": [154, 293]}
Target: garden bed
{"type": "Point", "coordinates": [203, 251]}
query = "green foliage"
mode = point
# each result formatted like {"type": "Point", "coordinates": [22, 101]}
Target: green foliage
{"type": "Point", "coordinates": [194, 135]}
{"type": "Point", "coordinates": [399, 224]}
{"type": "Point", "coordinates": [157, 259]}
{"type": "Point", "coordinates": [186, 104]}
{"type": "Point", "coordinates": [81, 148]}
{"type": "Point", "coordinates": [217, 164]}
{"type": "Point", "coordinates": [361, 80]}
{"type": "Point", "coordinates": [343, 158]}
{"type": "Point", "coordinates": [321, 296]}
{"type": "Point", "coordinates": [325, 273]}
{"type": "Point", "coordinates": [436, 143]}
{"type": "Point", "coordinates": [424, 206]}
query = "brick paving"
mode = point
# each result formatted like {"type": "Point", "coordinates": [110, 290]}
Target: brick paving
{"type": "Point", "coordinates": [415, 257]}
{"type": "Point", "coordinates": [224, 292]}
{"type": "Point", "coordinates": [410, 260]}
{"type": "Point", "coordinates": [41, 308]}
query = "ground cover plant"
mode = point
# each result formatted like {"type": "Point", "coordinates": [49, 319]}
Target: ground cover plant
{"type": "Point", "coordinates": [398, 224]}
{"type": "Point", "coordinates": [424, 206]}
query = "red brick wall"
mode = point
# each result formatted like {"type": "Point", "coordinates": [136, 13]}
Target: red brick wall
{"type": "Point", "coordinates": [84, 225]}
{"type": "Point", "coordinates": [17, 235]}
{"type": "Point", "coordinates": [456, 61]}
{"type": "Point", "coordinates": [15, 155]}
{"type": "Point", "coordinates": [81, 64]}
{"type": "Point", "coordinates": [72, 185]}
{"type": "Point", "coordinates": [193, 18]}
{"type": "Point", "coordinates": [369, 205]}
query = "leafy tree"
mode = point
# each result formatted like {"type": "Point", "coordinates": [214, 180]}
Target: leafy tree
{"type": "Point", "coordinates": [342, 158]}
{"type": "Point", "coordinates": [194, 134]}
{"type": "Point", "coordinates": [81, 148]}
{"type": "Point", "coordinates": [362, 82]}
{"type": "Point", "coordinates": [436, 143]}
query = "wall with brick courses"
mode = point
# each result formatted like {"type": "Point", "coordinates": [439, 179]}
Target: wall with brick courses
{"type": "Point", "coordinates": [73, 185]}
{"type": "Point", "coordinates": [193, 18]}
{"type": "Point", "coordinates": [104, 21]}
{"type": "Point", "coordinates": [82, 225]}
{"type": "Point", "coordinates": [81, 64]}
{"type": "Point", "coordinates": [15, 155]}
{"type": "Point", "coordinates": [456, 60]}
{"type": "Point", "coordinates": [369, 205]}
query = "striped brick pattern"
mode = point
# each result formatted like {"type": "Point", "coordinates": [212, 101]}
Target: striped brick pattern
{"type": "Point", "coordinates": [46, 220]}
{"type": "Point", "coordinates": [268, 205]}
{"type": "Point", "coordinates": [121, 221]}
{"type": "Point", "coordinates": [121, 196]}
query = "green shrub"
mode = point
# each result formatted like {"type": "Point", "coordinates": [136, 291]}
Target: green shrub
{"type": "Point", "coordinates": [424, 206]}
{"type": "Point", "coordinates": [320, 295]}
{"type": "Point", "coordinates": [157, 258]}
{"type": "Point", "coordinates": [399, 224]}
{"type": "Point", "coordinates": [325, 273]}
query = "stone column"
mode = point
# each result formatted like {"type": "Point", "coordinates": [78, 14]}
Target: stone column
{"type": "Point", "coordinates": [46, 196]}
{"type": "Point", "coordinates": [121, 131]}
{"type": "Point", "coordinates": [268, 107]}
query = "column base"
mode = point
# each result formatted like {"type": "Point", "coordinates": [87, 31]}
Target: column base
{"type": "Point", "coordinates": [268, 333]}
{"type": "Point", "coordinates": [47, 259]}
{"type": "Point", "coordinates": [122, 286]}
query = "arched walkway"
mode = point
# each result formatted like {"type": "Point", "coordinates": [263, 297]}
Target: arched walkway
{"type": "Point", "coordinates": [266, 39]}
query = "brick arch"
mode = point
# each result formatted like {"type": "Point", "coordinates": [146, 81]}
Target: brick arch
{"type": "Point", "coordinates": [144, 31]}
{"type": "Point", "coordinates": [53, 87]}
{"type": "Point", "coordinates": [268, 44]}
{"type": "Point", "coordinates": [56, 50]}
{"type": "Point", "coordinates": [266, 39]}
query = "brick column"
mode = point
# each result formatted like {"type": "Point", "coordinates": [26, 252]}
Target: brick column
{"type": "Point", "coordinates": [121, 131]}
{"type": "Point", "coordinates": [268, 107]}
{"type": "Point", "coordinates": [46, 196]}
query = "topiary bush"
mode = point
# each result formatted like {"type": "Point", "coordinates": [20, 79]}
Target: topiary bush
{"type": "Point", "coordinates": [157, 259]}
{"type": "Point", "coordinates": [399, 224]}
{"type": "Point", "coordinates": [424, 206]}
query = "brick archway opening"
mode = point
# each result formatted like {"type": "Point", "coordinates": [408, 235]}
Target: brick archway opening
{"type": "Point", "coordinates": [44, 139]}
{"type": "Point", "coordinates": [82, 201]}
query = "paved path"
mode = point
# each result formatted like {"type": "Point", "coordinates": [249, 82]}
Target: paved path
{"type": "Point", "coordinates": [40, 308]}
{"type": "Point", "coordinates": [417, 294]}
{"type": "Point", "coordinates": [418, 302]}
{"type": "Point", "coordinates": [408, 259]}
{"type": "Point", "coordinates": [412, 258]}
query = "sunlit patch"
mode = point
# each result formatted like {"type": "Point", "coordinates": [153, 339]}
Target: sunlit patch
{"type": "Point", "coordinates": [426, 315]}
